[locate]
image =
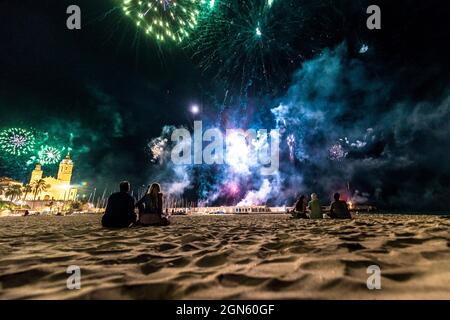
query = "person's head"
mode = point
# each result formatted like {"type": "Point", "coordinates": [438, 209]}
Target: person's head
{"type": "Point", "coordinates": [154, 189]}
{"type": "Point", "coordinates": [124, 186]}
{"type": "Point", "coordinates": [301, 198]}
{"type": "Point", "coordinates": [314, 196]}
{"type": "Point", "coordinates": [337, 196]}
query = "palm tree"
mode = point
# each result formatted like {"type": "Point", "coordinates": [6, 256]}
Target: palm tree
{"type": "Point", "coordinates": [26, 190]}
{"type": "Point", "coordinates": [38, 186]}
{"type": "Point", "coordinates": [14, 191]}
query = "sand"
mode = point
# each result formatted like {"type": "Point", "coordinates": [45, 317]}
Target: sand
{"type": "Point", "coordinates": [226, 257]}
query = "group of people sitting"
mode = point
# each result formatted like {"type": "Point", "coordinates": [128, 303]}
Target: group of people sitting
{"type": "Point", "coordinates": [120, 209]}
{"type": "Point", "coordinates": [313, 209]}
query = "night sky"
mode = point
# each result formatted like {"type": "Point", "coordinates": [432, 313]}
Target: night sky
{"type": "Point", "coordinates": [114, 90]}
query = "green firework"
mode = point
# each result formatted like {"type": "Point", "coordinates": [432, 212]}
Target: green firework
{"type": "Point", "coordinates": [17, 141]}
{"type": "Point", "coordinates": [49, 155]}
{"type": "Point", "coordinates": [171, 20]}
{"type": "Point", "coordinates": [249, 43]}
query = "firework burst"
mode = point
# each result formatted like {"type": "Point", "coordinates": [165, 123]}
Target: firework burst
{"type": "Point", "coordinates": [157, 147]}
{"type": "Point", "coordinates": [337, 152]}
{"type": "Point", "coordinates": [290, 140]}
{"type": "Point", "coordinates": [172, 20]}
{"type": "Point", "coordinates": [17, 141]}
{"type": "Point", "coordinates": [247, 43]}
{"type": "Point", "coordinates": [48, 155]}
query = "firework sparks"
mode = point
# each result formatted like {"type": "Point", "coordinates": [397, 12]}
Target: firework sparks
{"type": "Point", "coordinates": [164, 19]}
{"type": "Point", "coordinates": [232, 189]}
{"type": "Point", "coordinates": [240, 39]}
{"type": "Point", "coordinates": [337, 152]}
{"type": "Point", "coordinates": [364, 48]}
{"type": "Point", "coordinates": [157, 147]}
{"type": "Point", "coordinates": [49, 155]}
{"type": "Point", "coordinates": [17, 141]}
{"type": "Point", "coordinates": [290, 140]}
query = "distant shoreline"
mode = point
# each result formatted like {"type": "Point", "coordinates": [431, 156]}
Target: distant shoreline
{"type": "Point", "coordinates": [355, 214]}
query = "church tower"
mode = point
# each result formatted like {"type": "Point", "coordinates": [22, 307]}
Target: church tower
{"type": "Point", "coordinates": [36, 174]}
{"type": "Point", "coordinates": [65, 170]}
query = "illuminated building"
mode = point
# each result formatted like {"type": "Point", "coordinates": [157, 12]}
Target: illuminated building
{"type": "Point", "coordinates": [59, 188]}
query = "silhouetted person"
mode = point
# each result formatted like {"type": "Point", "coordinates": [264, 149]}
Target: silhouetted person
{"type": "Point", "coordinates": [27, 213]}
{"type": "Point", "coordinates": [119, 211]}
{"type": "Point", "coordinates": [151, 207]}
{"type": "Point", "coordinates": [300, 209]}
{"type": "Point", "coordinates": [315, 209]}
{"type": "Point", "coordinates": [339, 208]}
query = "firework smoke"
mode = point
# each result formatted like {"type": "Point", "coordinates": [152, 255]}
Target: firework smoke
{"type": "Point", "coordinates": [359, 156]}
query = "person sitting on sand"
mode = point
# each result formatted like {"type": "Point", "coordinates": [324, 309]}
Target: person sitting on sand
{"type": "Point", "coordinates": [300, 209]}
{"type": "Point", "coordinates": [339, 208]}
{"type": "Point", "coordinates": [151, 208]}
{"type": "Point", "coordinates": [119, 212]}
{"type": "Point", "coordinates": [315, 210]}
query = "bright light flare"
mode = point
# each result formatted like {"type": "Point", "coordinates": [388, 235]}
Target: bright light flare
{"type": "Point", "coordinates": [195, 109]}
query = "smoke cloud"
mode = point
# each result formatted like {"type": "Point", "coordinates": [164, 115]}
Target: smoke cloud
{"type": "Point", "coordinates": [343, 129]}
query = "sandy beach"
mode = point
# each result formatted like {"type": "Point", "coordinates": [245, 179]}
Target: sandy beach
{"type": "Point", "coordinates": [226, 257]}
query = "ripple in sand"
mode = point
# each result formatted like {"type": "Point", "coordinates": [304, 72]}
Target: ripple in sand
{"type": "Point", "coordinates": [249, 257]}
{"type": "Point", "coordinates": [22, 278]}
{"type": "Point", "coordinates": [237, 279]}
{"type": "Point", "coordinates": [212, 260]}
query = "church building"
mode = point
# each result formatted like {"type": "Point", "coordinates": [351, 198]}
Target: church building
{"type": "Point", "coordinates": [59, 188]}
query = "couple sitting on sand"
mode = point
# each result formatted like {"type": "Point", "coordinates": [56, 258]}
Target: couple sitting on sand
{"type": "Point", "coordinates": [120, 213]}
{"type": "Point", "coordinates": [313, 210]}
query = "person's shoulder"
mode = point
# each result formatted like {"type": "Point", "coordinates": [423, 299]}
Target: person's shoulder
{"type": "Point", "coordinates": [128, 196]}
{"type": "Point", "coordinates": [114, 195]}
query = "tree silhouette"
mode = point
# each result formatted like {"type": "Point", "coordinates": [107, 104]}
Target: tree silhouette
{"type": "Point", "coordinates": [13, 192]}
{"type": "Point", "coordinates": [39, 186]}
{"type": "Point", "coordinates": [26, 190]}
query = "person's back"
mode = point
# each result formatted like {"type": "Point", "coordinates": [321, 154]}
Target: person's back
{"type": "Point", "coordinates": [151, 205]}
{"type": "Point", "coordinates": [151, 208]}
{"type": "Point", "coordinates": [339, 208]}
{"type": "Point", "coordinates": [119, 212]}
{"type": "Point", "coordinates": [299, 211]}
{"type": "Point", "coordinates": [300, 205]}
{"type": "Point", "coordinates": [315, 208]}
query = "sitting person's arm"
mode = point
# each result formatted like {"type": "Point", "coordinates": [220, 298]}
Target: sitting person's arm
{"type": "Point", "coordinates": [332, 213]}
{"type": "Point", "coordinates": [141, 202]}
{"type": "Point", "coordinates": [131, 213]}
{"type": "Point", "coordinates": [141, 205]}
{"type": "Point", "coordinates": [160, 204]}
